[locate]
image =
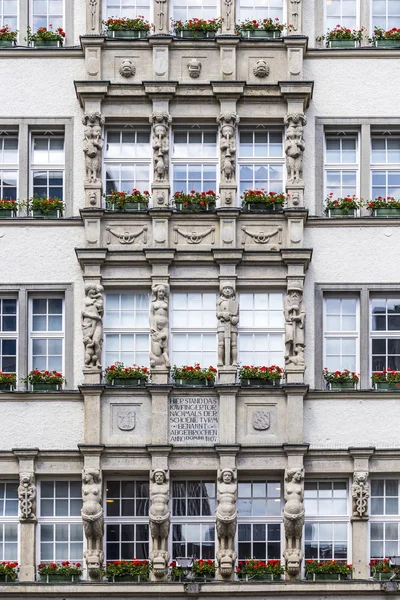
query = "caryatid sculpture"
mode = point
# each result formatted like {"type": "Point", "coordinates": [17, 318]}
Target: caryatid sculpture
{"type": "Point", "coordinates": [294, 147]}
{"type": "Point", "coordinates": [293, 519]}
{"type": "Point", "coordinates": [360, 494]}
{"type": "Point", "coordinates": [27, 496]}
{"type": "Point", "coordinates": [92, 325]}
{"type": "Point", "coordinates": [160, 143]}
{"type": "Point", "coordinates": [226, 520]}
{"type": "Point", "coordinates": [93, 520]}
{"type": "Point", "coordinates": [295, 320]}
{"type": "Point", "coordinates": [228, 318]}
{"type": "Point", "coordinates": [93, 145]}
{"type": "Point", "coordinates": [160, 518]}
{"type": "Point", "coordinates": [159, 326]}
{"type": "Point", "coordinates": [227, 123]}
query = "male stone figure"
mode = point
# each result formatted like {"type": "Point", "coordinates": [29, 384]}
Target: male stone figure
{"type": "Point", "coordinates": [295, 318]}
{"type": "Point", "coordinates": [228, 318]}
{"type": "Point", "coordinates": [294, 147]}
{"type": "Point", "coordinates": [226, 515]}
{"type": "Point", "coordinates": [228, 146]}
{"type": "Point", "coordinates": [92, 145]}
{"type": "Point", "coordinates": [93, 519]}
{"type": "Point", "coordinates": [293, 519]}
{"type": "Point", "coordinates": [159, 326]}
{"type": "Point", "coordinates": [27, 496]}
{"type": "Point", "coordinates": [160, 517]}
{"type": "Point", "coordinates": [160, 144]}
{"type": "Point", "coordinates": [92, 326]}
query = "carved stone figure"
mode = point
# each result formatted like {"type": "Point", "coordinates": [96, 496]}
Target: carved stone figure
{"type": "Point", "coordinates": [92, 325]}
{"type": "Point", "coordinates": [194, 68]}
{"type": "Point", "coordinates": [360, 494]}
{"type": "Point", "coordinates": [160, 518]}
{"type": "Point", "coordinates": [228, 124]}
{"type": "Point", "coordinates": [228, 318]}
{"type": "Point", "coordinates": [295, 320]}
{"type": "Point", "coordinates": [226, 520]}
{"type": "Point", "coordinates": [228, 13]}
{"type": "Point", "coordinates": [160, 143]}
{"type": "Point", "coordinates": [93, 145]}
{"type": "Point", "coordinates": [160, 14]}
{"type": "Point", "coordinates": [294, 146]}
{"type": "Point", "coordinates": [93, 11]}
{"type": "Point", "coordinates": [261, 69]}
{"type": "Point", "coordinates": [93, 519]}
{"type": "Point", "coordinates": [159, 326]}
{"type": "Point", "coordinates": [27, 496]}
{"type": "Point", "coordinates": [127, 68]}
{"type": "Point", "coordinates": [293, 519]}
{"type": "Point", "coordinates": [295, 14]}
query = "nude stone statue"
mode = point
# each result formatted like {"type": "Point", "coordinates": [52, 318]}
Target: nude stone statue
{"type": "Point", "coordinates": [93, 519]}
{"type": "Point", "coordinates": [92, 325]}
{"type": "Point", "coordinates": [160, 518]}
{"type": "Point", "coordinates": [228, 318]}
{"type": "Point", "coordinates": [295, 318]}
{"type": "Point", "coordinates": [293, 519]}
{"type": "Point", "coordinates": [159, 326]}
{"type": "Point", "coordinates": [294, 147]}
{"type": "Point", "coordinates": [160, 145]}
{"type": "Point", "coordinates": [226, 520]}
{"type": "Point", "coordinates": [93, 145]}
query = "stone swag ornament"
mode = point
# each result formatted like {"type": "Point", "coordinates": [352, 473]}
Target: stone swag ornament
{"type": "Point", "coordinates": [27, 496]}
{"type": "Point", "coordinates": [92, 325]}
{"type": "Point", "coordinates": [226, 520]}
{"type": "Point", "coordinates": [228, 318]}
{"type": "Point", "coordinates": [360, 494]}
{"type": "Point", "coordinates": [160, 519]}
{"type": "Point", "coordinates": [93, 520]}
{"type": "Point", "coordinates": [93, 145]}
{"type": "Point", "coordinates": [295, 320]}
{"type": "Point", "coordinates": [293, 520]}
{"type": "Point", "coordinates": [159, 326]}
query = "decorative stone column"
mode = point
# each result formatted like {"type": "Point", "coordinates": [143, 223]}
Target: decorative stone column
{"type": "Point", "coordinates": [93, 142]}
{"type": "Point", "coordinates": [159, 512]}
{"type": "Point", "coordinates": [360, 492]}
{"type": "Point", "coordinates": [27, 513]}
{"type": "Point", "coordinates": [226, 512]}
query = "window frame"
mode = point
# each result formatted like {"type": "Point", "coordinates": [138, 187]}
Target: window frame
{"type": "Point", "coordinates": [267, 11]}
{"type": "Point", "coordinates": [383, 518]}
{"type": "Point", "coordinates": [31, 14]}
{"type": "Point", "coordinates": [385, 167]}
{"type": "Point", "coordinates": [340, 166]}
{"type": "Point", "coordinates": [104, 10]}
{"type": "Point", "coordinates": [372, 24]}
{"type": "Point", "coordinates": [380, 334]}
{"type": "Point", "coordinates": [46, 334]}
{"type": "Point", "coordinates": [50, 167]}
{"type": "Point", "coordinates": [198, 14]}
{"type": "Point", "coordinates": [342, 334]}
{"type": "Point", "coordinates": [8, 335]}
{"type": "Point", "coordinates": [11, 519]}
{"type": "Point", "coordinates": [10, 167]}
{"type": "Point", "coordinates": [341, 19]}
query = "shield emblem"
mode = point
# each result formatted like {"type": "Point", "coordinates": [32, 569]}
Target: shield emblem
{"type": "Point", "coordinates": [261, 420]}
{"type": "Point", "coordinates": [126, 420]}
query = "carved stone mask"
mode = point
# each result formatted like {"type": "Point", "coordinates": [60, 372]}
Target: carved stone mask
{"type": "Point", "coordinates": [261, 69]}
{"type": "Point", "coordinates": [159, 477]}
{"type": "Point", "coordinates": [194, 68]}
{"type": "Point", "coordinates": [127, 68]}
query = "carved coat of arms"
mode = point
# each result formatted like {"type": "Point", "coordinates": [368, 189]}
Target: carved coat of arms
{"type": "Point", "coordinates": [261, 420]}
{"type": "Point", "coordinates": [126, 420]}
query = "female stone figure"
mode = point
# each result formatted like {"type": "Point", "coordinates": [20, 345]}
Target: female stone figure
{"type": "Point", "coordinates": [93, 519]}
{"type": "Point", "coordinates": [160, 144]}
{"type": "Point", "coordinates": [159, 517]}
{"type": "Point", "coordinates": [92, 326]}
{"type": "Point", "coordinates": [92, 145]}
{"type": "Point", "coordinates": [293, 518]}
{"type": "Point", "coordinates": [159, 326]}
{"type": "Point", "coordinates": [294, 147]}
{"type": "Point", "coordinates": [226, 515]}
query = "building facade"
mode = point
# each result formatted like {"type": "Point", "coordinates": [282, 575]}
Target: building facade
{"type": "Point", "coordinates": [97, 473]}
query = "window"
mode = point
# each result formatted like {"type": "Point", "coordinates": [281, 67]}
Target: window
{"type": "Point", "coordinates": [326, 527]}
{"type": "Point", "coordinates": [341, 165]}
{"type": "Point", "coordinates": [127, 8]}
{"type": "Point", "coordinates": [261, 329]}
{"type": "Point", "coordinates": [8, 520]}
{"type": "Point", "coordinates": [385, 13]}
{"type": "Point", "coordinates": [127, 521]}
{"type": "Point", "coordinates": [193, 329]}
{"type": "Point", "coordinates": [8, 335]}
{"type": "Point", "coordinates": [9, 13]}
{"type": "Point", "coordinates": [126, 328]}
{"type": "Point", "coordinates": [47, 333]}
{"type": "Point", "coordinates": [8, 167]}
{"type": "Point", "coordinates": [188, 9]}
{"type": "Point", "coordinates": [195, 536]}
{"type": "Point", "coordinates": [385, 333]}
{"type": "Point", "coordinates": [384, 525]}
{"type": "Point", "coordinates": [127, 160]}
{"type": "Point", "coordinates": [47, 165]}
{"type": "Point", "coordinates": [46, 13]}
{"type": "Point", "coordinates": [341, 326]}
{"type": "Point", "coordinates": [258, 503]}
{"type": "Point", "coordinates": [61, 530]}
{"type": "Point", "coordinates": [385, 167]}
{"type": "Point", "coordinates": [261, 160]}
{"type": "Point", "coordinates": [194, 161]}
{"type": "Point", "coordinates": [340, 11]}
{"type": "Point", "coordinates": [260, 9]}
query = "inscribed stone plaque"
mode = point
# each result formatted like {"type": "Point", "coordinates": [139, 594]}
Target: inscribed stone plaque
{"type": "Point", "coordinates": [193, 420]}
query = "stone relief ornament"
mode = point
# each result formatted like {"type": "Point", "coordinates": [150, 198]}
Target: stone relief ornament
{"type": "Point", "coordinates": [295, 320]}
{"type": "Point", "coordinates": [127, 68]}
{"type": "Point", "coordinates": [126, 420]}
{"type": "Point", "coordinates": [261, 420]}
{"type": "Point", "coordinates": [160, 518]}
{"type": "Point", "coordinates": [93, 11]}
{"type": "Point", "coordinates": [262, 237]}
{"type": "Point", "coordinates": [261, 69]}
{"type": "Point", "coordinates": [194, 68]}
{"type": "Point", "coordinates": [92, 325]}
{"type": "Point", "coordinates": [228, 14]}
{"type": "Point", "coordinates": [159, 326]}
{"type": "Point", "coordinates": [160, 13]}
{"type": "Point", "coordinates": [226, 520]}
{"type": "Point", "coordinates": [360, 494]}
{"type": "Point", "coordinates": [295, 7]}
{"type": "Point", "coordinates": [228, 318]}
{"type": "Point", "coordinates": [228, 122]}
{"type": "Point", "coordinates": [93, 519]}
{"type": "Point", "coordinates": [93, 145]}
{"type": "Point", "coordinates": [27, 496]}
{"type": "Point", "coordinates": [127, 237]}
{"type": "Point", "coordinates": [194, 237]}
{"type": "Point", "coordinates": [294, 146]}
{"type": "Point", "coordinates": [293, 519]}
{"type": "Point", "coordinates": [160, 143]}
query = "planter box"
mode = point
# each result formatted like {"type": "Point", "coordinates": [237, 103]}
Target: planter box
{"type": "Point", "coordinates": [127, 578]}
{"type": "Point", "coordinates": [261, 382]}
{"type": "Point", "coordinates": [346, 385]}
{"type": "Point", "coordinates": [51, 214]}
{"type": "Point", "coordinates": [60, 578]}
{"type": "Point", "coordinates": [129, 382]}
{"type": "Point", "coordinates": [264, 577]}
{"type": "Point", "coordinates": [385, 385]}
{"type": "Point", "coordinates": [45, 387]}
{"type": "Point", "coordinates": [387, 44]}
{"type": "Point", "coordinates": [7, 579]}
{"type": "Point", "coordinates": [343, 44]}
{"type": "Point", "coordinates": [131, 34]}
{"type": "Point", "coordinates": [7, 214]}
{"type": "Point", "coordinates": [195, 35]}
{"type": "Point", "coordinates": [260, 207]}
{"type": "Point", "coordinates": [6, 387]}
{"type": "Point", "coordinates": [46, 44]}
{"type": "Point", "coordinates": [194, 382]}
{"type": "Point", "coordinates": [180, 207]}
{"type": "Point", "coordinates": [7, 43]}
{"type": "Point", "coordinates": [128, 206]}
{"type": "Point", "coordinates": [327, 577]}
{"type": "Point", "coordinates": [383, 576]}
{"type": "Point", "coordinates": [386, 212]}
{"type": "Point", "coordinates": [339, 212]}
{"type": "Point", "coordinates": [261, 34]}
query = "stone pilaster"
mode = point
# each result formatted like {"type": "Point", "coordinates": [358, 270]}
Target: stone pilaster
{"type": "Point", "coordinates": [27, 513]}
{"type": "Point", "coordinates": [92, 47]}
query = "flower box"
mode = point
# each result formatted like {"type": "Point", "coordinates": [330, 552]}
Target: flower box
{"type": "Point", "coordinates": [383, 576]}
{"type": "Point", "coordinates": [387, 43]}
{"type": "Point", "coordinates": [261, 207]}
{"type": "Point", "coordinates": [132, 34]}
{"type": "Point", "coordinates": [7, 43]}
{"type": "Point", "coordinates": [51, 214]}
{"type": "Point", "coordinates": [387, 212]}
{"type": "Point", "coordinates": [127, 578]}
{"type": "Point", "coordinates": [128, 382]}
{"type": "Point", "coordinates": [190, 34]}
{"type": "Point", "coordinates": [261, 34]}
{"type": "Point", "coordinates": [58, 578]}
{"type": "Point", "coordinates": [6, 387]}
{"type": "Point", "coordinates": [46, 43]}
{"type": "Point", "coordinates": [340, 212]}
{"type": "Point", "coordinates": [343, 43]}
{"type": "Point", "coordinates": [180, 207]}
{"type": "Point", "coordinates": [261, 382]}
{"type": "Point", "coordinates": [128, 206]}
{"type": "Point", "coordinates": [194, 382]}
{"type": "Point", "coordinates": [45, 387]}
{"type": "Point", "coordinates": [7, 579]}
{"type": "Point", "coordinates": [261, 577]}
{"type": "Point", "coordinates": [342, 385]}
{"type": "Point", "coordinates": [386, 385]}
{"type": "Point", "coordinates": [7, 214]}
{"type": "Point", "coordinates": [327, 577]}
